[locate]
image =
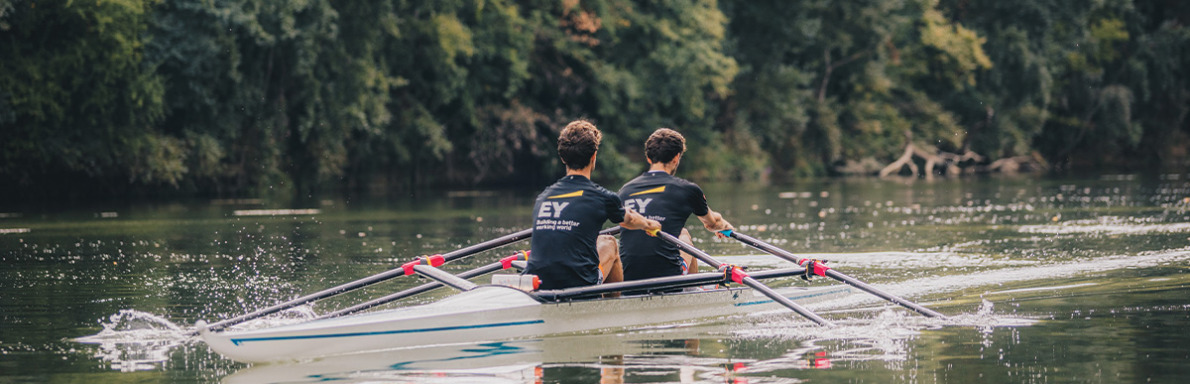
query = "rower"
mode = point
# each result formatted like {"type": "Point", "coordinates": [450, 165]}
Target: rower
{"type": "Point", "coordinates": [659, 195]}
{"type": "Point", "coordinates": [566, 246]}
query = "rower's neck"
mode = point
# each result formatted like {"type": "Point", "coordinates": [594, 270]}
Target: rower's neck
{"type": "Point", "coordinates": [585, 172]}
{"type": "Point", "coordinates": [663, 167]}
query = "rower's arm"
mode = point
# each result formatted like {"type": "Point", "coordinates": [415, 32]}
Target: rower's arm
{"type": "Point", "coordinates": [714, 222]}
{"type": "Point", "coordinates": [633, 220]}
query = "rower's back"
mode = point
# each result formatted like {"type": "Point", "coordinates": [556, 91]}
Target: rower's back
{"type": "Point", "coordinates": [670, 200]}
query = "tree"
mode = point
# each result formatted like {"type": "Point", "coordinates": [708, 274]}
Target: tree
{"type": "Point", "coordinates": [826, 82]}
{"type": "Point", "coordinates": [76, 98]}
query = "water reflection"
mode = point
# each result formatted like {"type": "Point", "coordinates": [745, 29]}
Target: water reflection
{"type": "Point", "coordinates": [1070, 280]}
{"type": "Point", "coordinates": [570, 359]}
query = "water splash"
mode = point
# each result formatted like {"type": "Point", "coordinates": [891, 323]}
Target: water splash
{"type": "Point", "coordinates": [886, 334]}
{"type": "Point", "coordinates": [132, 340]}
{"type": "Point", "coordinates": [130, 325]}
{"type": "Point", "coordinates": [286, 317]}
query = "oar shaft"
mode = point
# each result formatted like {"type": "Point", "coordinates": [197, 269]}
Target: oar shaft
{"type": "Point", "coordinates": [307, 299]}
{"type": "Point", "coordinates": [882, 294]}
{"type": "Point", "coordinates": [657, 284]}
{"type": "Point", "coordinates": [758, 286]}
{"type": "Point", "coordinates": [697, 253]}
{"type": "Point", "coordinates": [484, 246]}
{"type": "Point", "coordinates": [761, 245]}
{"type": "Point", "coordinates": [749, 281]}
{"type": "Point", "coordinates": [487, 245]}
{"type": "Point", "coordinates": [496, 266]}
{"type": "Point", "coordinates": [494, 243]}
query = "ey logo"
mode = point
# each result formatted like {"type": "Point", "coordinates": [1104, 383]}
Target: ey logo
{"type": "Point", "coordinates": [552, 208]}
{"type": "Point", "coordinates": [638, 204]}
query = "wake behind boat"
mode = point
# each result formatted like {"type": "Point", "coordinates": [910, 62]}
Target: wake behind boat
{"type": "Point", "coordinates": [492, 313]}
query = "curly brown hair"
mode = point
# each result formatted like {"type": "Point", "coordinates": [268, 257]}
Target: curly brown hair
{"type": "Point", "coordinates": [664, 144]}
{"type": "Point", "coordinates": [577, 142]}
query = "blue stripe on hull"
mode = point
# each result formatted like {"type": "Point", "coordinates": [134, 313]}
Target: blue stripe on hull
{"type": "Point", "coordinates": [393, 332]}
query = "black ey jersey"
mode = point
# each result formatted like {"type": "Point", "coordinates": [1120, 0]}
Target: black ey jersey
{"type": "Point", "coordinates": [567, 218]}
{"type": "Point", "coordinates": [669, 200]}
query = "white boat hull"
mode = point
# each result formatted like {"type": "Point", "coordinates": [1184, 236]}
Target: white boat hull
{"type": "Point", "coordinates": [489, 313]}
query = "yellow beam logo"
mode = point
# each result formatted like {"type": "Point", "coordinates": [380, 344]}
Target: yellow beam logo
{"type": "Point", "coordinates": [563, 196]}
{"type": "Point", "coordinates": [654, 190]}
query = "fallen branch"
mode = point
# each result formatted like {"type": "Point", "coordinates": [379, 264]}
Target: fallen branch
{"type": "Point", "coordinates": [949, 162]}
{"type": "Point", "coordinates": [906, 159]}
{"type": "Point", "coordinates": [1016, 164]}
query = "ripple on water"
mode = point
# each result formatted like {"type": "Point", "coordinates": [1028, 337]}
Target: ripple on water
{"type": "Point", "coordinates": [1107, 225]}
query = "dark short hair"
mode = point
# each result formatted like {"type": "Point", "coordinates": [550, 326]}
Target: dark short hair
{"type": "Point", "coordinates": [577, 142]}
{"type": "Point", "coordinates": [664, 144]}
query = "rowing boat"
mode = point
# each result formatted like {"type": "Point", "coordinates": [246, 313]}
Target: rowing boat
{"type": "Point", "coordinates": [499, 313]}
{"type": "Point", "coordinates": [492, 313]}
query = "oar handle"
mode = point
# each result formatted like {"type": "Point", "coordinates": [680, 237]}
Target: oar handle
{"type": "Point", "coordinates": [741, 277]}
{"type": "Point", "coordinates": [819, 269]}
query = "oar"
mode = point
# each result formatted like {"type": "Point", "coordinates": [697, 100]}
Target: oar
{"type": "Point", "coordinates": [439, 259]}
{"type": "Point", "coordinates": [659, 283]}
{"type": "Point", "coordinates": [504, 263]}
{"type": "Point", "coordinates": [739, 276]}
{"type": "Point", "coordinates": [819, 269]}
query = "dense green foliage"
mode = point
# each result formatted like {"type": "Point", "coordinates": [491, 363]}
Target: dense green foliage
{"type": "Point", "coordinates": [247, 96]}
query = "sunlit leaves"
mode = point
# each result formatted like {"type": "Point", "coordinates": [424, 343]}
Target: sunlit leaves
{"type": "Point", "coordinates": [960, 50]}
{"type": "Point", "coordinates": [1106, 33]}
{"type": "Point", "coordinates": [453, 38]}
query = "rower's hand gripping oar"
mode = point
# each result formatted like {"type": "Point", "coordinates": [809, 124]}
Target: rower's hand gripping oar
{"type": "Point", "coordinates": [822, 270]}
{"type": "Point", "coordinates": [392, 273]}
{"type": "Point", "coordinates": [738, 275]}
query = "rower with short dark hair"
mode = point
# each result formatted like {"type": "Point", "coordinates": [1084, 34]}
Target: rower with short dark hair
{"type": "Point", "coordinates": [567, 250]}
{"type": "Point", "coordinates": [659, 195]}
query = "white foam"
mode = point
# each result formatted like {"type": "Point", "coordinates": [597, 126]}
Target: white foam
{"type": "Point", "coordinates": [276, 212]}
{"type": "Point", "coordinates": [1108, 225]}
{"type": "Point", "coordinates": [136, 341]}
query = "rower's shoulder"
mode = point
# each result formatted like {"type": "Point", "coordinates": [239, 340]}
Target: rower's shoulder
{"type": "Point", "coordinates": [605, 192]}
{"type": "Point", "coordinates": [687, 184]}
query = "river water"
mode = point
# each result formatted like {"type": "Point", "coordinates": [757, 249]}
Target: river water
{"type": "Point", "coordinates": [1045, 280]}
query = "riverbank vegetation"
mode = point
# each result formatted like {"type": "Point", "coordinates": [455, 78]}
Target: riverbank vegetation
{"type": "Point", "coordinates": [241, 97]}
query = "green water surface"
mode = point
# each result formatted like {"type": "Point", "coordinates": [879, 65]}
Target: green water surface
{"type": "Point", "coordinates": [1050, 280]}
